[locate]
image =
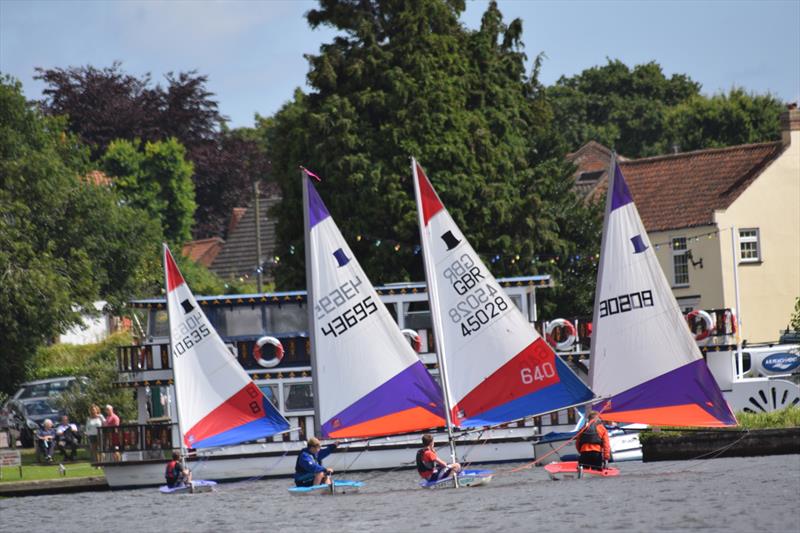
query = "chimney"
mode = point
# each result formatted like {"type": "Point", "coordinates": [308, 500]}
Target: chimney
{"type": "Point", "coordinates": [790, 123]}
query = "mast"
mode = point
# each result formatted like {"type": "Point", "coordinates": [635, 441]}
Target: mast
{"type": "Point", "coordinates": [436, 318]}
{"type": "Point", "coordinates": [309, 299]}
{"type": "Point", "coordinates": [599, 282]}
{"type": "Point", "coordinates": [171, 358]}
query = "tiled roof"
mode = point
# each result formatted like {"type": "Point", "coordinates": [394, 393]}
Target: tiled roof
{"type": "Point", "coordinates": [683, 190]}
{"type": "Point", "coordinates": [203, 251]}
{"type": "Point", "coordinates": [238, 255]}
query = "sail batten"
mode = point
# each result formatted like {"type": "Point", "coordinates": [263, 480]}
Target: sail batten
{"type": "Point", "coordinates": [498, 368]}
{"type": "Point", "coordinates": [218, 403]}
{"type": "Point", "coordinates": [643, 357]}
{"type": "Point", "coordinates": [368, 379]}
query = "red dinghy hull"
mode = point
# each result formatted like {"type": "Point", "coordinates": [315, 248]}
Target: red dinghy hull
{"type": "Point", "coordinates": [569, 470]}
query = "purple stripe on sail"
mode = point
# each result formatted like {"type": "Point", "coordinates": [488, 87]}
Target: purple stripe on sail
{"type": "Point", "coordinates": [689, 384]}
{"type": "Point", "coordinates": [413, 387]}
{"type": "Point", "coordinates": [317, 212]}
{"type": "Point", "coordinates": [620, 195]}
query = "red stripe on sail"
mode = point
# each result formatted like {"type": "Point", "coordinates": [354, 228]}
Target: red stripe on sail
{"type": "Point", "coordinates": [241, 408]}
{"type": "Point", "coordinates": [532, 369]}
{"type": "Point", "coordinates": [430, 201]}
{"type": "Point", "coordinates": [174, 277]}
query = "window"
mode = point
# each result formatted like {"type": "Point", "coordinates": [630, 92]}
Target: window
{"type": "Point", "coordinates": [749, 245]}
{"type": "Point", "coordinates": [298, 397]}
{"type": "Point", "coordinates": [680, 263]}
{"type": "Point", "coordinates": [271, 392]}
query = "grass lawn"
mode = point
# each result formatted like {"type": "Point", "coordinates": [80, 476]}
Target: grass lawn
{"type": "Point", "coordinates": [31, 470]}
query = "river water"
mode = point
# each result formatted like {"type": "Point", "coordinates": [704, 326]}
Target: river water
{"type": "Point", "coordinates": [735, 494]}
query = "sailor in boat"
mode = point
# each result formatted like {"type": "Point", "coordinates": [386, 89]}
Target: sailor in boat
{"type": "Point", "coordinates": [430, 466]}
{"type": "Point", "coordinates": [593, 444]}
{"type": "Point", "coordinates": [308, 470]}
{"type": "Point", "coordinates": [175, 474]}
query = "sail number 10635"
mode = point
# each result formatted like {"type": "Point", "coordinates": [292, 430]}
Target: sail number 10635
{"type": "Point", "coordinates": [538, 373]}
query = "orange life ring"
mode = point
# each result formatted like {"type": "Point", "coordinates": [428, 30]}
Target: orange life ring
{"type": "Point", "coordinates": [567, 343]}
{"type": "Point", "coordinates": [268, 363]}
{"type": "Point", "coordinates": [707, 319]}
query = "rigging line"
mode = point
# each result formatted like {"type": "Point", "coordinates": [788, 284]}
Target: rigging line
{"type": "Point", "coordinates": [529, 464]}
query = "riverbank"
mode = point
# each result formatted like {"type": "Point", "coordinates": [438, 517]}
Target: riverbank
{"type": "Point", "coordinates": [687, 445]}
{"type": "Point", "coordinates": [41, 487]}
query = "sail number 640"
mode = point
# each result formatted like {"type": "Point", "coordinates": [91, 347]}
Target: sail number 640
{"type": "Point", "coordinates": [537, 373]}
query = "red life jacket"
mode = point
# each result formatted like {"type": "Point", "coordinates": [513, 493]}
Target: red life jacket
{"type": "Point", "coordinates": [170, 473]}
{"type": "Point", "coordinates": [424, 467]}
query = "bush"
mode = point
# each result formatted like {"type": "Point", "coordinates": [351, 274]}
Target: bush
{"type": "Point", "coordinates": [98, 362]}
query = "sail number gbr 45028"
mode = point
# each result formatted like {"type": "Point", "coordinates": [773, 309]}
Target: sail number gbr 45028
{"type": "Point", "coordinates": [482, 301]}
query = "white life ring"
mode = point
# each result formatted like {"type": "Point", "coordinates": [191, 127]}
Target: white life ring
{"type": "Point", "coordinates": [567, 343]}
{"type": "Point", "coordinates": [268, 363]}
{"type": "Point", "coordinates": [709, 322]}
{"type": "Point", "coordinates": [413, 336]}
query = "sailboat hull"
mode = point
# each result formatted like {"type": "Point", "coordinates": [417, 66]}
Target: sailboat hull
{"type": "Point", "coordinates": [276, 460]}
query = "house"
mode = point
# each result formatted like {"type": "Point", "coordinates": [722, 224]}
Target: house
{"type": "Point", "coordinates": [237, 257]}
{"type": "Point", "coordinates": [719, 219]}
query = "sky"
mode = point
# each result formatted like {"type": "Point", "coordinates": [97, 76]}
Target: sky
{"type": "Point", "coordinates": [253, 51]}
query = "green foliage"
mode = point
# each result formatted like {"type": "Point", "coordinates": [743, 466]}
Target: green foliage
{"type": "Point", "coordinates": [794, 321]}
{"type": "Point", "coordinates": [783, 418]}
{"type": "Point", "coordinates": [722, 120]}
{"type": "Point", "coordinates": [788, 417]}
{"type": "Point", "coordinates": [31, 470]}
{"type": "Point", "coordinates": [156, 178]}
{"type": "Point", "coordinates": [98, 362]}
{"type": "Point", "coordinates": [407, 79]}
{"type": "Point", "coordinates": [64, 242]}
{"type": "Point", "coordinates": [641, 112]}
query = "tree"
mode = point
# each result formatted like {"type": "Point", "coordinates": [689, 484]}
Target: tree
{"type": "Point", "coordinates": [722, 120]}
{"type": "Point", "coordinates": [106, 105]}
{"type": "Point", "coordinates": [96, 362]}
{"type": "Point", "coordinates": [407, 79]}
{"type": "Point", "coordinates": [64, 241]}
{"type": "Point", "coordinates": [640, 112]}
{"type": "Point", "coordinates": [794, 320]}
{"type": "Point", "coordinates": [156, 179]}
{"type": "Point", "coordinates": [617, 106]}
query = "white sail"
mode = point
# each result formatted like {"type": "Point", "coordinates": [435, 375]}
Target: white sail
{"type": "Point", "coordinates": [369, 381]}
{"type": "Point", "coordinates": [643, 356]}
{"type": "Point", "coordinates": [498, 368]}
{"type": "Point", "coordinates": [218, 403]}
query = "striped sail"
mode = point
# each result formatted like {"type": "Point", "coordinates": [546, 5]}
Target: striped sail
{"type": "Point", "coordinates": [498, 368]}
{"type": "Point", "coordinates": [218, 404]}
{"type": "Point", "coordinates": [643, 356]}
{"type": "Point", "coordinates": [369, 380]}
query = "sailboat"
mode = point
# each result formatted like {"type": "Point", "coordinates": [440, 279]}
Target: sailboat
{"type": "Point", "coordinates": [368, 380]}
{"type": "Point", "coordinates": [217, 402]}
{"type": "Point", "coordinates": [644, 361]}
{"type": "Point", "coordinates": [495, 367]}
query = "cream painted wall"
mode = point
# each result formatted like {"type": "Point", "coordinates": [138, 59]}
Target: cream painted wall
{"type": "Point", "coordinates": [704, 282]}
{"type": "Point", "coordinates": [768, 289]}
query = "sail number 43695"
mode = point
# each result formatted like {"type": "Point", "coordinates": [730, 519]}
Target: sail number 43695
{"type": "Point", "coordinates": [538, 373]}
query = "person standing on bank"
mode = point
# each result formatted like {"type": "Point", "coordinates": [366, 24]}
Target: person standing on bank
{"type": "Point", "coordinates": [308, 470]}
{"type": "Point", "coordinates": [93, 422]}
{"type": "Point", "coordinates": [593, 444]}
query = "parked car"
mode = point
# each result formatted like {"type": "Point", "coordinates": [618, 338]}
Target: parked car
{"type": "Point", "coordinates": [24, 417]}
{"type": "Point", "coordinates": [43, 388]}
